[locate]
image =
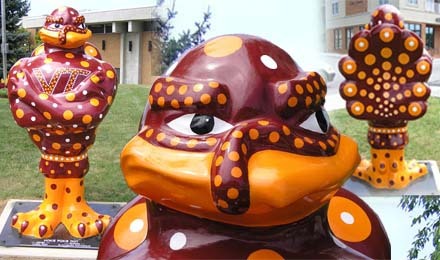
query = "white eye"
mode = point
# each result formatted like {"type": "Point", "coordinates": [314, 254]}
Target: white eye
{"type": "Point", "coordinates": [82, 26]}
{"type": "Point", "coordinates": [317, 122]}
{"type": "Point", "coordinates": [55, 26]}
{"type": "Point", "coordinates": [197, 124]}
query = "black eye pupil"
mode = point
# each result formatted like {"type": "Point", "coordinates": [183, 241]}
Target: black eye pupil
{"type": "Point", "coordinates": [57, 25]}
{"type": "Point", "coordinates": [202, 124]}
{"type": "Point", "coordinates": [322, 121]}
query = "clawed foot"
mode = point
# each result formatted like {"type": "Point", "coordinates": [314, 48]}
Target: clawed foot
{"type": "Point", "coordinates": [40, 222]}
{"type": "Point", "coordinates": [82, 221]}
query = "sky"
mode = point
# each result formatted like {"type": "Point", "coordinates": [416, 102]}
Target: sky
{"type": "Point", "coordinates": [296, 26]}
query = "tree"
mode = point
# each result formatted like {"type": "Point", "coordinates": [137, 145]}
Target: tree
{"type": "Point", "coordinates": [17, 37]}
{"type": "Point", "coordinates": [172, 47]}
{"type": "Point", "coordinates": [430, 217]}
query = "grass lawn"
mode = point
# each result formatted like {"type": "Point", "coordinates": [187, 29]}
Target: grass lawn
{"type": "Point", "coordinates": [19, 158]}
{"type": "Point", "coordinates": [424, 133]}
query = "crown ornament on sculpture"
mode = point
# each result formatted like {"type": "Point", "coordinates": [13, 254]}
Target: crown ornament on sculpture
{"type": "Point", "coordinates": [60, 94]}
{"type": "Point", "coordinates": [386, 72]}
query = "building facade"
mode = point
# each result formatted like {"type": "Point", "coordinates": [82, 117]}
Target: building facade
{"type": "Point", "coordinates": [344, 18]}
{"type": "Point", "coordinates": [125, 38]}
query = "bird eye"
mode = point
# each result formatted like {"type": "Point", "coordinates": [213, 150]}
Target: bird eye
{"type": "Point", "coordinates": [318, 122]}
{"type": "Point", "coordinates": [198, 124]}
{"type": "Point", "coordinates": [82, 26]}
{"type": "Point", "coordinates": [55, 26]}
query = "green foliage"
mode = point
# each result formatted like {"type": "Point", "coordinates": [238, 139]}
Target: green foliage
{"type": "Point", "coordinates": [17, 37]}
{"type": "Point", "coordinates": [172, 47]}
{"type": "Point", "coordinates": [430, 218]}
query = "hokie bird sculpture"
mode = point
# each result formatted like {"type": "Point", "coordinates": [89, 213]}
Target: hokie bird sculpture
{"type": "Point", "coordinates": [60, 95]}
{"type": "Point", "coordinates": [236, 159]}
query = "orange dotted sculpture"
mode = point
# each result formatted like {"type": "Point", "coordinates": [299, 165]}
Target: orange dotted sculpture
{"type": "Point", "coordinates": [386, 70]}
{"type": "Point", "coordinates": [60, 95]}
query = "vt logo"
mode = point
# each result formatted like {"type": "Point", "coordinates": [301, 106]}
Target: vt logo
{"type": "Point", "coordinates": [58, 83]}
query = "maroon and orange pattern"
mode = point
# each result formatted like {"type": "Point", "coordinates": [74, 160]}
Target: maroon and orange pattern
{"type": "Point", "coordinates": [386, 70]}
{"type": "Point", "coordinates": [60, 95]}
{"type": "Point", "coordinates": [267, 166]}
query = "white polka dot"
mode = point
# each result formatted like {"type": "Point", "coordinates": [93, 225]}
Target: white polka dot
{"type": "Point", "coordinates": [43, 148]}
{"type": "Point", "coordinates": [47, 134]}
{"type": "Point", "coordinates": [14, 72]}
{"type": "Point", "coordinates": [177, 241]}
{"type": "Point", "coordinates": [361, 44]}
{"type": "Point", "coordinates": [411, 43]}
{"type": "Point", "coordinates": [268, 62]}
{"type": "Point", "coordinates": [419, 89]}
{"type": "Point", "coordinates": [67, 152]}
{"type": "Point", "coordinates": [84, 92]}
{"type": "Point", "coordinates": [423, 67]}
{"type": "Point", "coordinates": [33, 104]}
{"type": "Point", "coordinates": [54, 105]}
{"type": "Point", "coordinates": [25, 83]}
{"type": "Point", "coordinates": [17, 101]}
{"type": "Point", "coordinates": [349, 66]}
{"type": "Point", "coordinates": [357, 108]}
{"type": "Point", "coordinates": [87, 137]}
{"type": "Point", "coordinates": [100, 116]}
{"type": "Point", "coordinates": [33, 118]}
{"type": "Point", "coordinates": [80, 107]}
{"type": "Point", "coordinates": [49, 126]}
{"type": "Point", "coordinates": [67, 63]}
{"type": "Point", "coordinates": [67, 140]}
{"type": "Point", "coordinates": [379, 22]}
{"type": "Point", "coordinates": [386, 34]}
{"type": "Point", "coordinates": [99, 68]}
{"type": "Point", "coordinates": [347, 218]}
{"type": "Point", "coordinates": [350, 90]}
{"type": "Point", "coordinates": [414, 109]}
{"type": "Point", "coordinates": [75, 126]}
{"type": "Point", "coordinates": [136, 225]}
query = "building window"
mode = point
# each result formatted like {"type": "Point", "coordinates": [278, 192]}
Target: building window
{"type": "Point", "coordinates": [384, 2]}
{"type": "Point", "coordinates": [432, 6]}
{"type": "Point", "coordinates": [335, 7]}
{"type": "Point", "coordinates": [103, 45]}
{"type": "Point", "coordinates": [415, 27]}
{"type": "Point", "coordinates": [413, 2]}
{"type": "Point", "coordinates": [429, 32]}
{"type": "Point", "coordinates": [100, 28]}
{"type": "Point", "coordinates": [338, 39]}
{"type": "Point", "coordinates": [349, 32]}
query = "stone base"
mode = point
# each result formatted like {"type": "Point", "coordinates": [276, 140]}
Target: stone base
{"type": "Point", "coordinates": [426, 185]}
{"type": "Point", "coordinates": [59, 246]}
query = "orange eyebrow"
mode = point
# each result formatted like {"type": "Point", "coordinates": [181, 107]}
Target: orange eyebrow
{"type": "Point", "coordinates": [170, 93]}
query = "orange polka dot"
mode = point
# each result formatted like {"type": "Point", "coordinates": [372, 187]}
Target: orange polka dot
{"type": "Point", "coordinates": [233, 156]}
{"type": "Point", "coordinates": [218, 180]}
{"type": "Point", "coordinates": [56, 146]}
{"type": "Point", "coordinates": [157, 87]}
{"type": "Point", "coordinates": [419, 90]}
{"type": "Point", "coordinates": [109, 100]}
{"type": "Point", "coordinates": [414, 109]}
{"type": "Point", "coordinates": [68, 115]}
{"type": "Point", "coordinates": [161, 101]}
{"type": "Point", "coordinates": [95, 79]}
{"type": "Point", "coordinates": [376, 71]}
{"type": "Point", "coordinates": [263, 122]}
{"type": "Point", "coordinates": [361, 44]}
{"type": "Point", "coordinates": [175, 104]}
{"type": "Point", "coordinates": [170, 89]}
{"type": "Point", "coordinates": [237, 134]}
{"type": "Point", "coordinates": [402, 109]}
{"type": "Point", "coordinates": [410, 73]}
{"type": "Point", "coordinates": [160, 137]}
{"type": "Point", "coordinates": [423, 67]}
{"type": "Point", "coordinates": [225, 146]}
{"type": "Point", "coordinates": [232, 193]}
{"type": "Point", "coordinates": [398, 70]}
{"type": "Point", "coordinates": [357, 108]}
{"type": "Point", "coordinates": [309, 88]}
{"type": "Point", "coordinates": [292, 101]}
{"type": "Point", "coordinates": [402, 80]}
{"type": "Point", "coordinates": [77, 146]}
{"type": "Point", "coordinates": [403, 58]}
{"type": "Point", "coordinates": [299, 89]}
{"type": "Point", "coordinates": [110, 74]}
{"type": "Point", "coordinates": [386, 35]}
{"type": "Point", "coordinates": [223, 46]}
{"type": "Point", "coordinates": [213, 84]}
{"type": "Point", "coordinates": [282, 88]}
{"type": "Point", "coordinates": [218, 161]}
{"type": "Point", "coordinates": [221, 99]}
{"type": "Point", "coordinates": [254, 134]}
{"type": "Point", "coordinates": [48, 60]}
{"type": "Point", "coordinates": [274, 137]}
{"type": "Point", "coordinates": [122, 230]}
{"type": "Point", "coordinates": [407, 93]}
{"type": "Point", "coordinates": [69, 55]}
{"type": "Point", "coordinates": [175, 141]}
{"type": "Point", "coordinates": [299, 143]}
{"type": "Point", "coordinates": [21, 93]}
{"type": "Point", "coordinates": [386, 65]}
{"type": "Point", "coordinates": [363, 93]}
{"type": "Point", "coordinates": [323, 145]}
{"type": "Point", "coordinates": [349, 89]}
{"type": "Point", "coordinates": [19, 113]}
{"type": "Point", "coordinates": [386, 52]}
{"type": "Point", "coordinates": [211, 141]}
{"type": "Point", "coordinates": [192, 143]}
{"type": "Point", "coordinates": [70, 96]}
{"type": "Point", "coordinates": [386, 75]}
{"type": "Point", "coordinates": [308, 101]}
{"type": "Point", "coordinates": [36, 137]}
{"type": "Point", "coordinates": [347, 220]}
{"type": "Point", "coordinates": [349, 66]}
{"type": "Point", "coordinates": [183, 89]}
{"type": "Point", "coordinates": [308, 140]}
{"type": "Point", "coordinates": [149, 133]}
{"type": "Point", "coordinates": [47, 115]}
{"type": "Point", "coordinates": [388, 16]}
{"type": "Point", "coordinates": [91, 51]}
{"type": "Point", "coordinates": [370, 81]}
{"type": "Point", "coordinates": [168, 79]}
{"type": "Point", "coordinates": [265, 254]}
{"type": "Point", "coordinates": [361, 75]}
{"type": "Point", "coordinates": [244, 149]}
{"type": "Point", "coordinates": [84, 63]}
{"type": "Point", "coordinates": [222, 203]}
{"type": "Point", "coordinates": [188, 101]}
{"type": "Point", "coordinates": [286, 130]}
{"type": "Point", "coordinates": [236, 172]}
{"type": "Point", "coordinates": [94, 102]}
{"type": "Point", "coordinates": [205, 99]}
{"type": "Point", "coordinates": [411, 43]}
{"type": "Point", "coordinates": [87, 119]}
